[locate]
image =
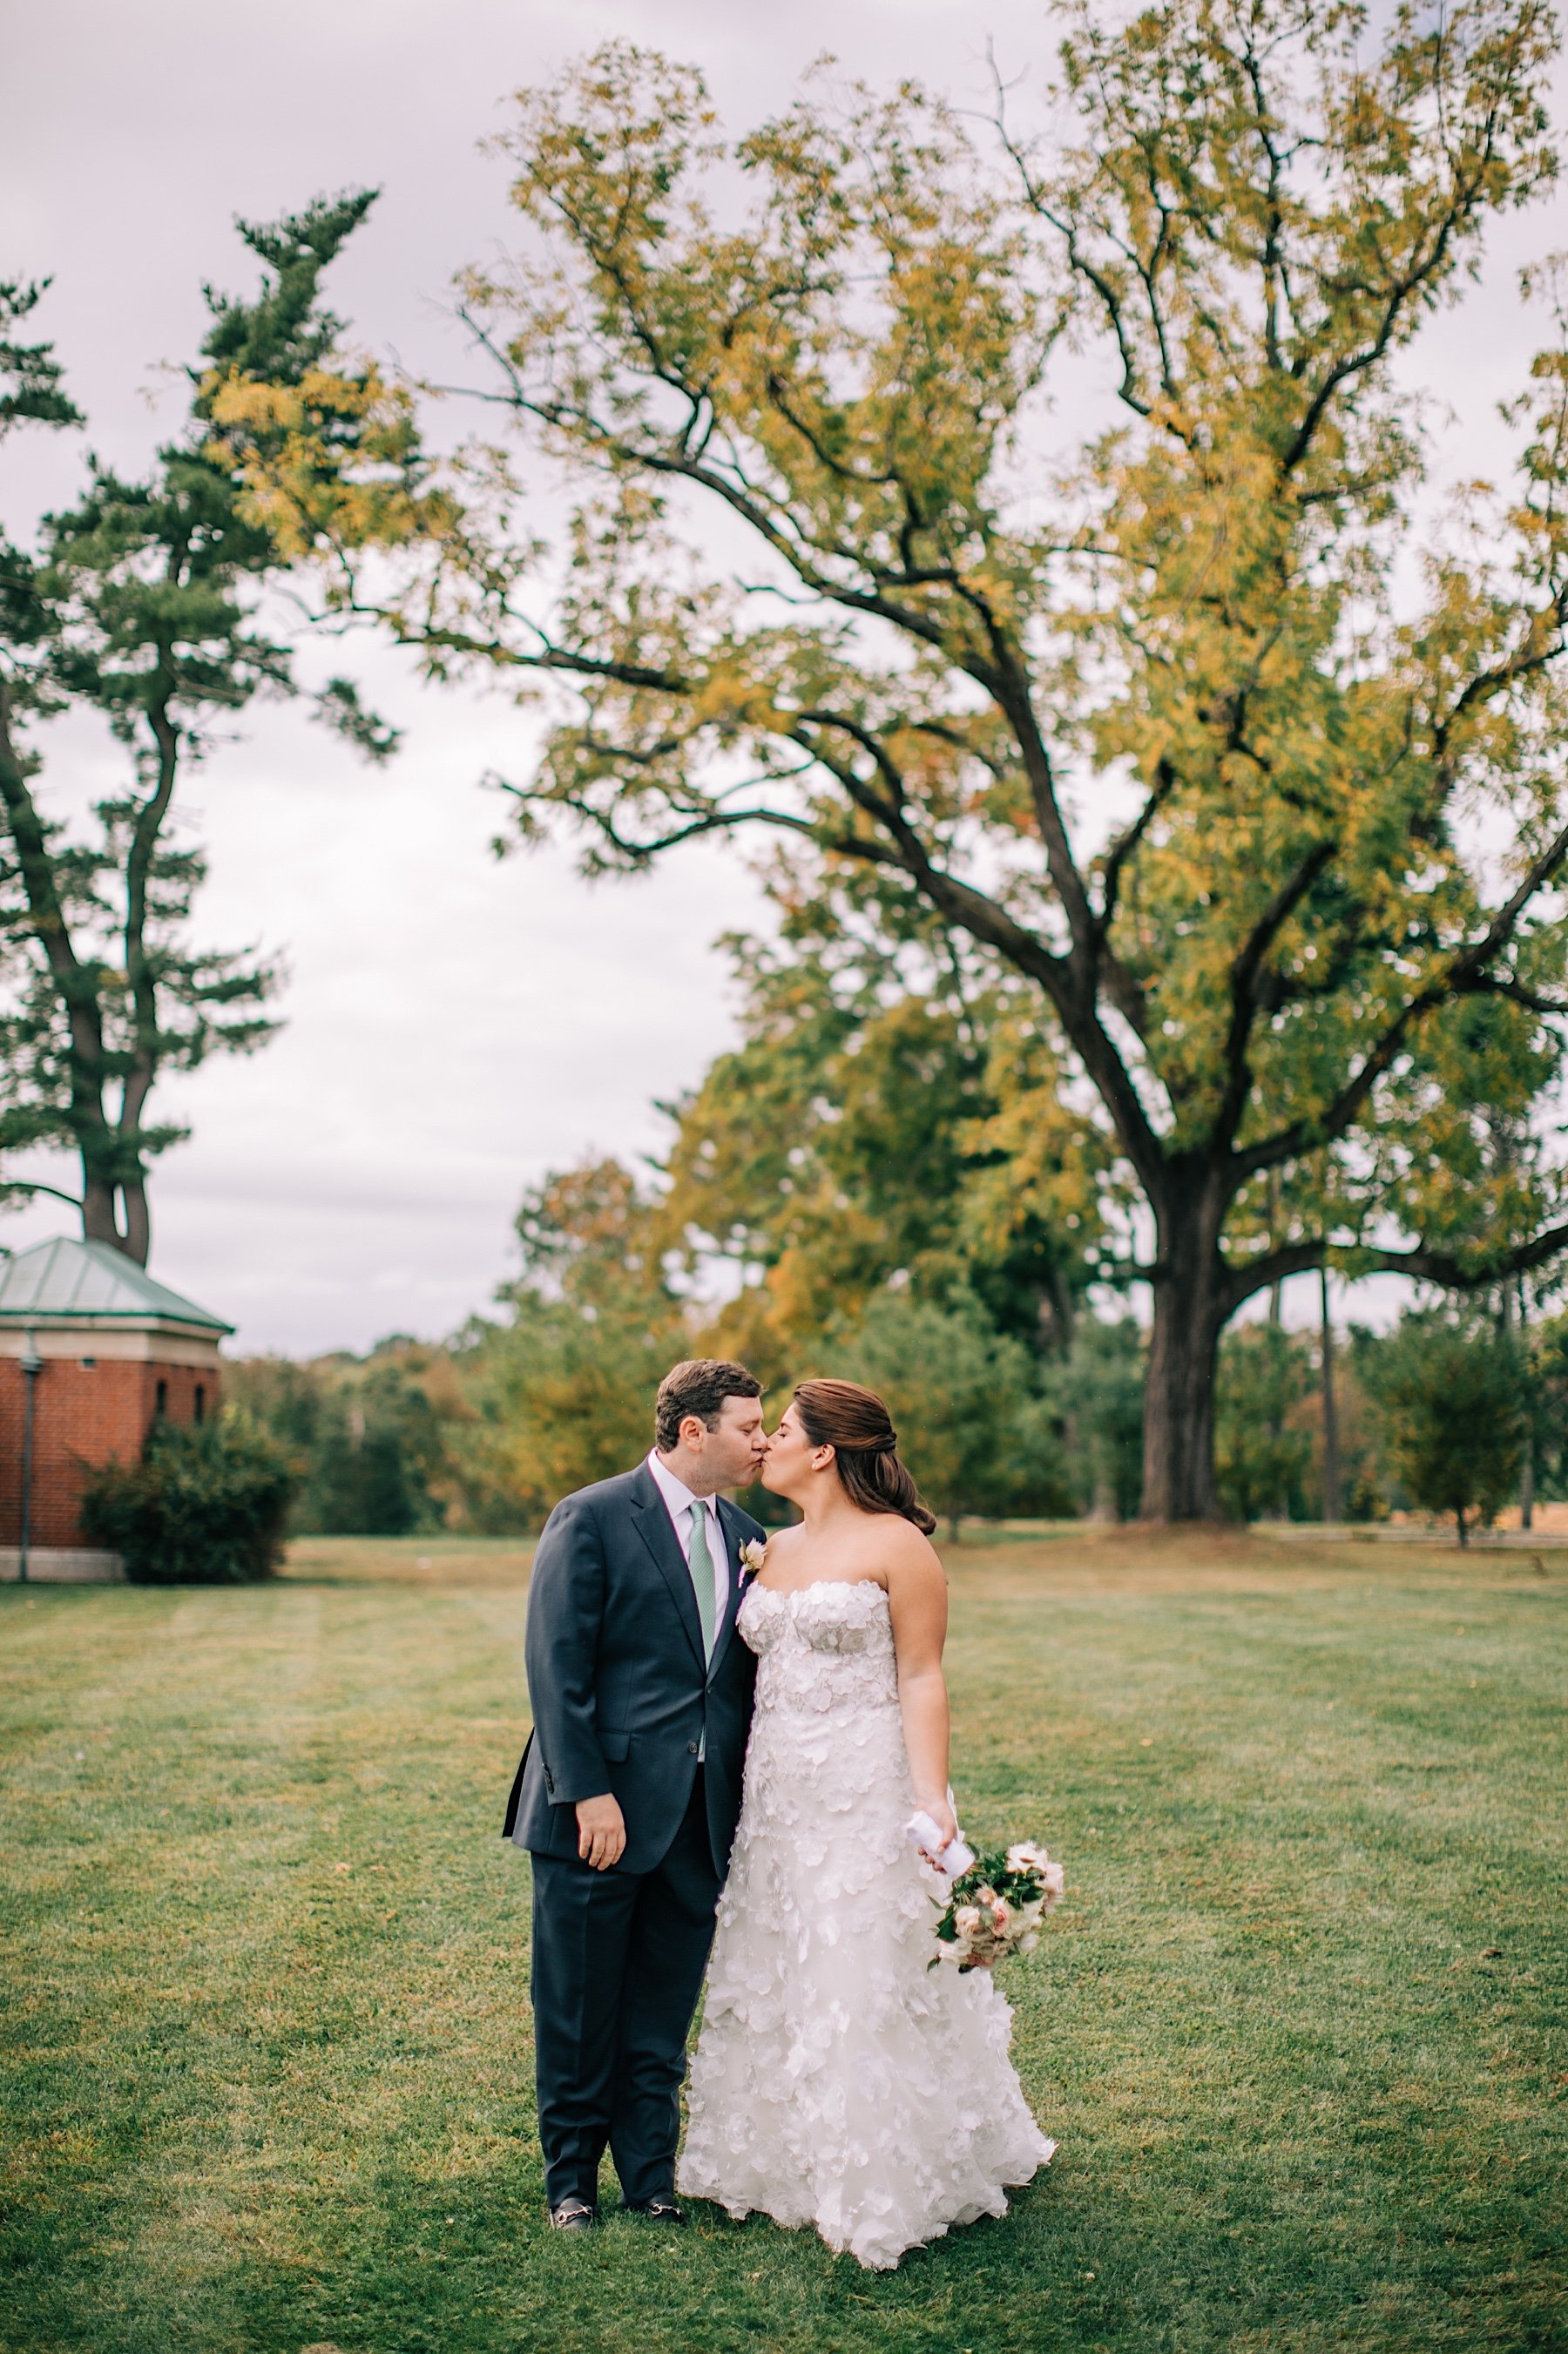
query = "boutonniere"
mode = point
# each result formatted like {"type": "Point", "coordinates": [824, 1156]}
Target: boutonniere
{"type": "Point", "coordinates": [752, 1556]}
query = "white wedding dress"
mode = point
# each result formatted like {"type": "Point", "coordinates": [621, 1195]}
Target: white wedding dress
{"type": "Point", "coordinates": [837, 2081]}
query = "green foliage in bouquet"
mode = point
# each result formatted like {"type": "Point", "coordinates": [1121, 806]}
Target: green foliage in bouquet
{"type": "Point", "coordinates": [996, 1906]}
{"type": "Point", "coordinates": [207, 1505]}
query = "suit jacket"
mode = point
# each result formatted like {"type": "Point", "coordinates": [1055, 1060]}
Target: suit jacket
{"type": "Point", "coordinates": [622, 1699]}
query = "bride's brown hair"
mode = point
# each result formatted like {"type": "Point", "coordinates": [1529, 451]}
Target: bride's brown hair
{"type": "Point", "coordinates": [857, 1425]}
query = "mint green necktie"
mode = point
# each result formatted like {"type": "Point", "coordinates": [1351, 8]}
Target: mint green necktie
{"type": "Point", "coordinates": [700, 1562]}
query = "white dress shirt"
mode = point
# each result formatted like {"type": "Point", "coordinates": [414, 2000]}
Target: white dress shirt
{"type": "Point", "coordinates": [680, 1503]}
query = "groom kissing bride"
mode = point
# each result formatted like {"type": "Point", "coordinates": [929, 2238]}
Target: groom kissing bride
{"type": "Point", "coordinates": [706, 1704]}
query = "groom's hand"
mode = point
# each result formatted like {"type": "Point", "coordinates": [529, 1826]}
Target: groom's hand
{"type": "Point", "coordinates": [601, 1831]}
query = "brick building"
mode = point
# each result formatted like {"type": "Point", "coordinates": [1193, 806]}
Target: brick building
{"type": "Point", "coordinates": [114, 1351]}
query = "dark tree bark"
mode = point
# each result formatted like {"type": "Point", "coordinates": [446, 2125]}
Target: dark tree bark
{"type": "Point", "coordinates": [1193, 1300]}
{"type": "Point", "coordinates": [1331, 1410]}
{"type": "Point", "coordinates": [112, 1172]}
{"type": "Point", "coordinates": [88, 1118]}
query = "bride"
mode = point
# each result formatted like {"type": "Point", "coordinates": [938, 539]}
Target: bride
{"type": "Point", "coordinates": [837, 2081]}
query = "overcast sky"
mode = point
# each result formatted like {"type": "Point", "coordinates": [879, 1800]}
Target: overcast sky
{"type": "Point", "coordinates": [454, 1025]}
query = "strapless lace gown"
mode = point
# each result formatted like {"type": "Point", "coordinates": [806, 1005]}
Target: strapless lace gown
{"type": "Point", "coordinates": [838, 2082]}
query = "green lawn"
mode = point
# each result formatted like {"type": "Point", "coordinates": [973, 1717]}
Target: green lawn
{"type": "Point", "coordinates": [265, 2082]}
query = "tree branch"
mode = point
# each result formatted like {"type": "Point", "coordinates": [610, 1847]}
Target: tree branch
{"type": "Point", "coordinates": [1490, 985]}
{"type": "Point", "coordinates": [1126, 843]}
{"type": "Point", "coordinates": [32, 1185]}
{"type": "Point", "coordinates": [1271, 1267]}
{"type": "Point", "coordinates": [639, 853]}
{"type": "Point", "coordinates": [800, 556]}
{"type": "Point", "coordinates": [1395, 297]}
{"type": "Point", "coordinates": [1421, 1264]}
{"type": "Point", "coordinates": [1459, 976]}
{"type": "Point", "coordinates": [990, 923]}
{"type": "Point", "coordinates": [1453, 1275]}
{"type": "Point", "coordinates": [1244, 996]}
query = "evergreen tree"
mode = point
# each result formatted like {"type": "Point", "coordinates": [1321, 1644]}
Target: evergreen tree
{"type": "Point", "coordinates": [139, 604]}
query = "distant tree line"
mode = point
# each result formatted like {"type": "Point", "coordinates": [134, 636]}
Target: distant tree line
{"type": "Point", "coordinates": [1453, 1413]}
{"type": "Point", "coordinates": [364, 1436]}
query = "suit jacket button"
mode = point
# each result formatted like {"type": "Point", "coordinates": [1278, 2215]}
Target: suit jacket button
{"type": "Point", "coordinates": [691, 1748]}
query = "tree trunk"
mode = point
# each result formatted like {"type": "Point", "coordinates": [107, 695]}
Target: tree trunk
{"type": "Point", "coordinates": [1055, 1314]}
{"type": "Point", "coordinates": [137, 1239]}
{"type": "Point", "coordinates": [1276, 1290]}
{"type": "Point", "coordinates": [1330, 1411]}
{"type": "Point", "coordinates": [1527, 1469]}
{"type": "Point", "coordinates": [1190, 1312]}
{"type": "Point", "coordinates": [99, 1223]}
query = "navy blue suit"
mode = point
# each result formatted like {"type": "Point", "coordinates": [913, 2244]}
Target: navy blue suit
{"type": "Point", "coordinates": [623, 1702]}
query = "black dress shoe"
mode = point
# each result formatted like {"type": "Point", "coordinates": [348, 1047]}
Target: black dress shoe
{"type": "Point", "coordinates": [573, 2215]}
{"type": "Point", "coordinates": [656, 2211]}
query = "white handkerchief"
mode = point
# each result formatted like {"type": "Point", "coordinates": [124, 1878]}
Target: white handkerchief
{"type": "Point", "coordinates": [923, 1833]}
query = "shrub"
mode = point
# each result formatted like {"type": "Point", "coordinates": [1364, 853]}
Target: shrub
{"type": "Point", "coordinates": [1097, 1394]}
{"type": "Point", "coordinates": [207, 1505]}
{"type": "Point", "coordinates": [1262, 1454]}
{"type": "Point", "coordinates": [369, 1444]}
{"type": "Point", "coordinates": [971, 1427]}
{"type": "Point", "coordinates": [1450, 1394]}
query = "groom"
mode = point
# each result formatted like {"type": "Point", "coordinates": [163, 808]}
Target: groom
{"type": "Point", "coordinates": [628, 1790]}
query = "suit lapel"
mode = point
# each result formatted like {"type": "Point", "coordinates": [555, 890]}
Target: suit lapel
{"type": "Point", "coordinates": [657, 1532]}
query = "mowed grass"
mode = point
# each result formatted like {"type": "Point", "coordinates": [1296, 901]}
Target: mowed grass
{"type": "Point", "coordinates": [1297, 2026]}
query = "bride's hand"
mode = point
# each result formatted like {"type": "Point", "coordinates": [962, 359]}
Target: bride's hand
{"type": "Point", "coordinates": [946, 1824]}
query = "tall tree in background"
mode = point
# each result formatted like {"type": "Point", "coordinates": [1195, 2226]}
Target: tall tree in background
{"type": "Point", "coordinates": [886, 1116]}
{"type": "Point", "coordinates": [138, 604]}
{"type": "Point", "coordinates": [1151, 729]}
{"type": "Point", "coordinates": [562, 1391]}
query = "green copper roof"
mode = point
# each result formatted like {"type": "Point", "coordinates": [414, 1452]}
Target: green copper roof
{"type": "Point", "coordinates": [67, 1279]}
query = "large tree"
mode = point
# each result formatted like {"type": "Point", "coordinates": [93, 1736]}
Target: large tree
{"type": "Point", "coordinates": [1186, 728]}
{"type": "Point", "coordinates": [885, 1117]}
{"type": "Point", "coordinates": [138, 604]}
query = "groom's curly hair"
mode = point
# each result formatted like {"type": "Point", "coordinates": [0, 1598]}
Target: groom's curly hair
{"type": "Point", "coordinates": [699, 1386]}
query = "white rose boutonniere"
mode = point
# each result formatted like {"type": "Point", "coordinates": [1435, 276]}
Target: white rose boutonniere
{"type": "Point", "coordinates": [752, 1556]}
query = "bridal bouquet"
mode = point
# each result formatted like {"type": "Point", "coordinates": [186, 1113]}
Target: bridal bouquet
{"type": "Point", "coordinates": [996, 1907]}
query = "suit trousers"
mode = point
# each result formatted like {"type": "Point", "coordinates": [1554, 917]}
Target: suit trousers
{"type": "Point", "coordinates": [618, 1965]}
